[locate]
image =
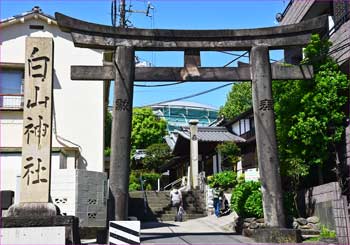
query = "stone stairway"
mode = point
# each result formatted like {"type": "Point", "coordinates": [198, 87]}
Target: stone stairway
{"type": "Point", "coordinates": [158, 206]}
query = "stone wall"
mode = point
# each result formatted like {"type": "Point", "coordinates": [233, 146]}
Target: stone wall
{"type": "Point", "coordinates": [81, 193]}
{"type": "Point", "coordinates": [327, 202]}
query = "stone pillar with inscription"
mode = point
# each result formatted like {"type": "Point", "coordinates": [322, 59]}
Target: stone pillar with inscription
{"type": "Point", "coordinates": [37, 123]}
{"type": "Point", "coordinates": [194, 152]}
{"type": "Point", "coordinates": [35, 208]}
{"type": "Point", "coordinates": [266, 137]}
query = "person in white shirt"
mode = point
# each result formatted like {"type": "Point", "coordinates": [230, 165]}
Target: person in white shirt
{"type": "Point", "coordinates": [176, 201]}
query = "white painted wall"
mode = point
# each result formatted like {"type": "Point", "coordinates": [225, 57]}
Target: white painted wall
{"type": "Point", "coordinates": [10, 170]}
{"type": "Point", "coordinates": [78, 105]}
{"type": "Point", "coordinates": [235, 128]}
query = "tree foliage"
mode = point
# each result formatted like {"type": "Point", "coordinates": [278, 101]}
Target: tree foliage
{"type": "Point", "coordinates": [156, 156]}
{"type": "Point", "coordinates": [238, 100]}
{"type": "Point", "coordinates": [309, 115]}
{"type": "Point", "coordinates": [147, 129]}
{"type": "Point", "coordinates": [239, 199]}
{"type": "Point", "coordinates": [230, 151]}
{"type": "Point", "coordinates": [224, 180]}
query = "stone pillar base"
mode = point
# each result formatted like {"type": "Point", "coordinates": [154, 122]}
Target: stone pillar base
{"type": "Point", "coordinates": [70, 222]}
{"type": "Point", "coordinates": [27, 215]}
{"type": "Point", "coordinates": [32, 209]}
{"type": "Point", "coordinates": [274, 235]}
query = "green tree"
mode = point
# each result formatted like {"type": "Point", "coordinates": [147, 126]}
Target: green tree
{"type": "Point", "coordinates": [231, 153]}
{"type": "Point", "coordinates": [309, 114]}
{"type": "Point", "coordinates": [238, 100]}
{"type": "Point", "coordinates": [147, 129]}
{"type": "Point", "coordinates": [156, 156]}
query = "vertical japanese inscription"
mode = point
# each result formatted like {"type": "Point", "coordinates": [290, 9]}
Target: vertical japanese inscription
{"type": "Point", "coordinates": [37, 120]}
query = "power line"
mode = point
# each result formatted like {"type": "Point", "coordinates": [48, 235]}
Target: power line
{"type": "Point", "coordinates": [240, 56]}
{"type": "Point", "coordinates": [159, 85]}
{"type": "Point", "coordinates": [243, 55]}
{"type": "Point", "coordinates": [191, 96]}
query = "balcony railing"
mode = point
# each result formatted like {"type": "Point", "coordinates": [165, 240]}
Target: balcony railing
{"type": "Point", "coordinates": [11, 101]}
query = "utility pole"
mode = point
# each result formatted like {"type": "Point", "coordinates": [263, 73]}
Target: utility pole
{"type": "Point", "coordinates": [122, 13]}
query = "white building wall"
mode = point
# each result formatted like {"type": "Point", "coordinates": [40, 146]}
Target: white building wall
{"type": "Point", "coordinates": [11, 128]}
{"type": "Point", "coordinates": [10, 171]}
{"type": "Point", "coordinates": [235, 128]}
{"type": "Point", "coordinates": [78, 105]}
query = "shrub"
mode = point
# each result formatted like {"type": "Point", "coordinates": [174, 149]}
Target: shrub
{"type": "Point", "coordinates": [326, 233]}
{"type": "Point", "coordinates": [241, 179]}
{"type": "Point", "coordinates": [151, 180]}
{"type": "Point", "coordinates": [225, 180]}
{"type": "Point", "coordinates": [240, 195]}
{"type": "Point", "coordinates": [254, 205]}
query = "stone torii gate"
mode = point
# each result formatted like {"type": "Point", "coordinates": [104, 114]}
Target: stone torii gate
{"type": "Point", "coordinates": [258, 41]}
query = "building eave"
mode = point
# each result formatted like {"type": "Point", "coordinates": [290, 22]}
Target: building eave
{"type": "Point", "coordinates": [28, 16]}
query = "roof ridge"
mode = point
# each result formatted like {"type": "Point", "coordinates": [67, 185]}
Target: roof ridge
{"type": "Point", "coordinates": [34, 10]}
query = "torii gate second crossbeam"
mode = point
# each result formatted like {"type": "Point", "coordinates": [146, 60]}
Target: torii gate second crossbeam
{"type": "Point", "coordinates": [258, 41]}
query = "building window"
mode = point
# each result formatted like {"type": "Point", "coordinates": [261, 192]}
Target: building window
{"type": "Point", "coordinates": [244, 126]}
{"type": "Point", "coordinates": [11, 89]}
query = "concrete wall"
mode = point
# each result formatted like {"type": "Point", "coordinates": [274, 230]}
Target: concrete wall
{"type": "Point", "coordinates": [327, 202]}
{"type": "Point", "coordinates": [81, 193]}
{"type": "Point", "coordinates": [78, 105]}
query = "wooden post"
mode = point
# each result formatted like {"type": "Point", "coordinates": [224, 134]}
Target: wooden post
{"type": "Point", "coordinates": [266, 137]}
{"type": "Point", "coordinates": [121, 131]}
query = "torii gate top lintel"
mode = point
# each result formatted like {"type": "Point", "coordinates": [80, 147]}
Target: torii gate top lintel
{"type": "Point", "coordinates": [90, 35]}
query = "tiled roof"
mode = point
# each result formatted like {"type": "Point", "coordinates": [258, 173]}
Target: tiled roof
{"type": "Point", "coordinates": [212, 134]}
{"type": "Point", "coordinates": [35, 11]}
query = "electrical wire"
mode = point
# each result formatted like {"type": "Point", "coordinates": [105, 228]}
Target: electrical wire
{"type": "Point", "coordinates": [191, 96]}
{"type": "Point", "coordinates": [245, 55]}
{"type": "Point", "coordinates": [235, 59]}
{"type": "Point", "coordinates": [159, 85]}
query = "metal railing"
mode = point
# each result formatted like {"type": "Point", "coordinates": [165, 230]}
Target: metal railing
{"type": "Point", "coordinates": [11, 101]}
{"type": "Point", "coordinates": [173, 183]}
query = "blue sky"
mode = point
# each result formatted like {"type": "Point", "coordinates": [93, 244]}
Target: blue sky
{"type": "Point", "coordinates": [170, 14]}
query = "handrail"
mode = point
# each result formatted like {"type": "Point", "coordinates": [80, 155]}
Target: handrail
{"type": "Point", "coordinates": [173, 183]}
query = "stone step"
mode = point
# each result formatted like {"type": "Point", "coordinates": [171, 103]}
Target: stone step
{"type": "Point", "coordinates": [304, 237]}
{"type": "Point", "coordinates": [309, 232]}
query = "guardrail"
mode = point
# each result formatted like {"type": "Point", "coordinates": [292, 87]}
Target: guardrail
{"type": "Point", "coordinates": [11, 101]}
{"type": "Point", "coordinates": [173, 183]}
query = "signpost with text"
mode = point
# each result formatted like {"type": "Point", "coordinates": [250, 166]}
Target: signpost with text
{"type": "Point", "coordinates": [37, 120]}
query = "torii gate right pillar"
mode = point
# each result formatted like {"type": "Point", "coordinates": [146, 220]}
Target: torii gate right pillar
{"type": "Point", "coordinates": [264, 121]}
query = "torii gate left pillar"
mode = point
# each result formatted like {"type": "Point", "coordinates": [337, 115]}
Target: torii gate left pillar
{"type": "Point", "coordinates": [121, 130]}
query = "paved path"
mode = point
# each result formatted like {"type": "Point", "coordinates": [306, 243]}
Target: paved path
{"type": "Point", "coordinates": [207, 230]}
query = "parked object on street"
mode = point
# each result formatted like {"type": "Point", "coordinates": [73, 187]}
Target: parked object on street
{"type": "Point", "coordinates": [180, 214]}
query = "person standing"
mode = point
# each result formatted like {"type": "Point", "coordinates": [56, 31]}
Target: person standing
{"type": "Point", "coordinates": [217, 200]}
{"type": "Point", "coordinates": [176, 201]}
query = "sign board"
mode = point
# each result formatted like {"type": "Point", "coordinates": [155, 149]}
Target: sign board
{"type": "Point", "coordinates": [251, 174]}
{"type": "Point", "coordinates": [37, 120]}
